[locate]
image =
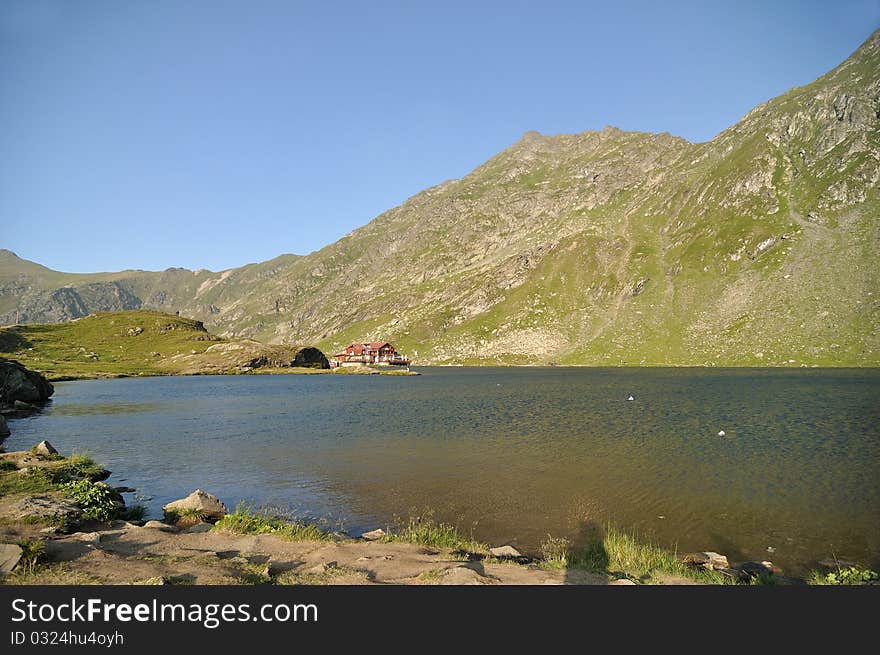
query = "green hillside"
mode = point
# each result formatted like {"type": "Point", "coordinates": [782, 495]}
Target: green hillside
{"type": "Point", "coordinates": [756, 248]}
{"type": "Point", "coordinates": [111, 344]}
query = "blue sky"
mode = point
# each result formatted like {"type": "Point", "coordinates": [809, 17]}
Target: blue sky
{"type": "Point", "coordinates": [213, 134]}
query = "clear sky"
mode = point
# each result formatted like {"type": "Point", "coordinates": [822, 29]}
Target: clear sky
{"type": "Point", "coordinates": [210, 134]}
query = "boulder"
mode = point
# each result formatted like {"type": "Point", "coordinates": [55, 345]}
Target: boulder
{"type": "Point", "coordinates": [20, 383]}
{"type": "Point", "coordinates": [505, 552]}
{"type": "Point", "coordinates": [21, 406]}
{"type": "Point", "coordinates": [48, 508]}
{"type": "Point", "coordinates": [44, 448]}
{"type": "Point", "coordinates": [10, 554]}
{"type": "Point", "coordinates": [311, 357]}
{"type": "Point", "coordinates": [208, 506]}
{"type": "Point", "coordinates": [373, 535]}
{"type": "Point", "coordinates": [4, 428]}
{"type": "Point", "coordinates": [708, 560]}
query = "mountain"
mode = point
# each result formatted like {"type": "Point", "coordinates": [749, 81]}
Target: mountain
{"type": "Point", "coordinates": [758, 247]}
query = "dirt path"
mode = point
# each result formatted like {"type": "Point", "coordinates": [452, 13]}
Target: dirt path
{"type": "Point", "coordinates": [128, 554]}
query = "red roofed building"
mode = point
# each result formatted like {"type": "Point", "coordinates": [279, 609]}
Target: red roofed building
{"type": "Point", "coordinates": [375, 352]}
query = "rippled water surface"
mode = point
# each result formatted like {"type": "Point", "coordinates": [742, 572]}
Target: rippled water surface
{"type": "Point", "coordinates": [512, 454]}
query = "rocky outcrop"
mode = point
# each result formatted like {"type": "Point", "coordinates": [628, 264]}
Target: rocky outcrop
{"type": "Point", "coordinates": [22, 384]}
{"type": "Point", "coordinates": [48, 508]}
{"type": "Point", "coordinates": [310, 358]}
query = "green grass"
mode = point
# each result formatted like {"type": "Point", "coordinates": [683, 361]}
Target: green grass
{"type": "Point", "coordinates": [624, 556]}
{"type": "Point", "coordinates": [133, 513]}
{"type": "Point", "coordinates": [185, 518]}
{"type": "Point", "coordinates": [35, 481]}
{"type": "Point", "coordinates": [428, 532]}
{"type": "Point", "coordinates": [246, 520]}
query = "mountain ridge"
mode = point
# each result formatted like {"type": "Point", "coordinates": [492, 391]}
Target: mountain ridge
{"type": "Point", "coordinates": [605, 247]}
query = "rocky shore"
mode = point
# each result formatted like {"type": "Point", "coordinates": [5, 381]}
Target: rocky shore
{"type": "Point", "coordinates": [60, 523]}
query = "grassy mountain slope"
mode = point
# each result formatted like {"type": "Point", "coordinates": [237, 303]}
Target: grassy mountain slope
{"type": "Point", "coordinates": [609, 247]}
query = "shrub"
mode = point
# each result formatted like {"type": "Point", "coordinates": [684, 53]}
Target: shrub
{"type": "Point", "coordinates": [32, 553]}
{"type": "Point", "coordinates": [97, 500]}
{"type": "Point", "coordinates": [850, 575]}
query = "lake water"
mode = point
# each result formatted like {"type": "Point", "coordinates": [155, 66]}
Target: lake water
{"type": "Point", "coordinates": [510, 454]}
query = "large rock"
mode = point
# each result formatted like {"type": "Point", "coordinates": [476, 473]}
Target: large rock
{"type": "Point", "coordinates": [44, 448]}
{"type": "Point", "coordinates": [505, 552]}
{"type": "Point", "coordinates": [207, 505]}
{"type": "Point", "coordinates": [48, 508]}
{"type": "Point", "coordinates": [20, 383]}
{"type": "Point", "coordinates": [10, 554]}
{"type": "Point", "coordinates": [311, 357]}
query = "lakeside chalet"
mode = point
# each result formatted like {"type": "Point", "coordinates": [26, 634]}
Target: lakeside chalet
{"type": "Point", "coordinates": [375, 353]}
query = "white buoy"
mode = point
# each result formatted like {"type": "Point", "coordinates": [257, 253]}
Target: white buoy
{"type": "Point", "coordinates": [630, 398]}
{"type": "Point", "coordinates": [722, 433]}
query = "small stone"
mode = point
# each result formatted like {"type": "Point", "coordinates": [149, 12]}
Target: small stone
{"type": "Point", "coordinates": [463, 575]}
{"type": "Point", "coordinates": [505, 552]}
{"type": "Point", "coordinates": [10, 554]}
{"type": "Point", "coordinates": [722, 433]}
{"type": "Point", "coordinates": [708, 560]}
{"type": "Point", "coordinates": [373, 535]}
{"type": "Point", "coordinates": [158, 525]}
{"type": "Point", "coordinates": [623, 582]}
{"type": "Point", "coordinates": [88, 537]}
{"type": "Point", "coordinates": [199, 527]}
{"type": "Point", "coordinates": [44, 448]}
{"type": "Point", "coordinates": [324, 567]}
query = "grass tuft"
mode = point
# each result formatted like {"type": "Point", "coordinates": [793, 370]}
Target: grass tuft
{"type": "Point", "coordinates": [246, 520]}
{"type": "Point", "coordinates": [428, 532]}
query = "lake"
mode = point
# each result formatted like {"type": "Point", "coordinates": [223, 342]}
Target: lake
{"type": "Point", "coordinates": [509, 454]}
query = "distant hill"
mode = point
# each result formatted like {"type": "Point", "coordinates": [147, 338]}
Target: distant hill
{"type": "Point", "coordinates": [138, 343]}
{"type": "Point", "coordinates": [759, 247]}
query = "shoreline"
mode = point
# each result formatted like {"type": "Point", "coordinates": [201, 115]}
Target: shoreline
{"type": "Point", "coordinates": [420, 551]}
{"type": "Point", "coordinates": [411, 373]}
